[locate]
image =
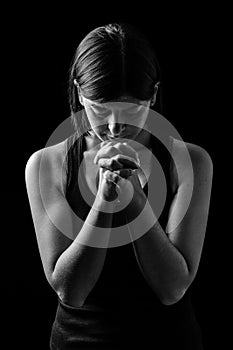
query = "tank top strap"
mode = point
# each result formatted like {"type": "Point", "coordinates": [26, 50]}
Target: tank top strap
{"type": "Point", "coordinates": [162, 151]}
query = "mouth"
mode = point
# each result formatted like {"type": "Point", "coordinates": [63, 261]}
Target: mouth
{"type": "Point", "coordinates": [117, 137]}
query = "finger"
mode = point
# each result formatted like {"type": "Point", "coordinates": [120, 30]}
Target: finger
{"type": "Point", "coordinates": [106, 152]}
{"type": "Point", "coordinates": [111, 176]}
{"type": "Point", "coordinates": [117, 162]}
{"type": "Point", "coordinates": [127, 150]}
{"type": "Point", "coordinates": [127, 162]}
{"type": "Point", "coordinates": [125, 173]}
{"type": "Point", "coordinates": [106, 142]}
{"type": "Point", "coordinates": [110, 163]}
{"type": "Point", "coordinates": [123, 146]}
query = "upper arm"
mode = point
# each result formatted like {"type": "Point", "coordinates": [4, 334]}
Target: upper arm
{"type": "Point", "coordinates": [51, 214]}
{"type": "Point", "coordinates": [187, 233]}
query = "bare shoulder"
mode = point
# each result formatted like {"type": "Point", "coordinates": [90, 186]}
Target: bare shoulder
{"type": "Point", "coordinates": [55, 153]}
{"type": "Point", "coordinates": [199, 155]}
{"type": "Point", "coordinates": [190, 208]}
{"type": "Point", "coordinates": [50, 160]}
{"type": "Point", "coordinates": [189, 156]}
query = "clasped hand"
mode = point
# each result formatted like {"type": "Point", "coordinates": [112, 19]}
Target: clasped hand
{"type": "Point", "coordinates": [117, 177]}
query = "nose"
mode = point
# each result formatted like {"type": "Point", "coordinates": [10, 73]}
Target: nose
{"type": "Point", "coordinates": [116, 128]}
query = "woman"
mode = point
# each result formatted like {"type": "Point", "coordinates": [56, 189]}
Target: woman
{"type": "Point", "coordinates": [113, 293]}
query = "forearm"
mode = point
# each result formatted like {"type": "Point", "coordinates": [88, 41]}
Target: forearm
{"type": "Point", "coordinates": [79, 266]}
{"type": "Point", "coordinates": [162, 265]}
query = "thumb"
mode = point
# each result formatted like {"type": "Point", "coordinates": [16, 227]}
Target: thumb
{"type": "Point", "coordinates": [124, 173]}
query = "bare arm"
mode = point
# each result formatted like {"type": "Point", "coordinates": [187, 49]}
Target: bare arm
{"type": "Point", "coordinates": [72, 266]}
{"type": "Point", "coordinates": [169, 262]}
{"type": "Point", "coordinates": [78, 268]}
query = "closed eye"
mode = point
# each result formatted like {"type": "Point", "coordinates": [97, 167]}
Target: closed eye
{"type": "Point", "coordinates": [134, 110]}
{"type": "Point", "coordinates": [102, 111]}
{"type": "Point", "coordinates": [99, 110]}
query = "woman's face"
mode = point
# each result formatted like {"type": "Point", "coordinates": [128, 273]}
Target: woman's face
{"type": "Point", "coordinates": [124, 118]}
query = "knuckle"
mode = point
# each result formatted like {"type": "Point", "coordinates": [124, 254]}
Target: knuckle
{"type": "Point", "coordinates": [103, 162]}
{"type": "Point", "coordinates": [118, 156]}
{"type": "Point", "coordinates": [118, 145]}
{"type": "Point", "coordinates": [107, 174]}
{"type": "Point", "coordinates": [115, 176]}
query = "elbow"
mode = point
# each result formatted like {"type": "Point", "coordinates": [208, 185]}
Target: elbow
{"type": "Point", "coordinates": [171, 300]}
{"type": "Point", "coordinates": [172, 297]}
{"type": "Point", "coordinates": [172, 293]}
{"type": "Point", "coordinates": [58, 285]}
{"type": "Point", "coordinates": [60, 289]}
{"type": "Point", "coordinates": [69, 295]}
{"type": "Point", "coordinates": [68, 298]}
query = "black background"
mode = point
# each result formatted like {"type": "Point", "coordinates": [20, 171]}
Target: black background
{"type": "Point", "coordinates": [40, 44]}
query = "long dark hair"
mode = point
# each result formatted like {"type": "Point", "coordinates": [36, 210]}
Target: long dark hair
{"type": "Point", "coordinates": [112, 61]}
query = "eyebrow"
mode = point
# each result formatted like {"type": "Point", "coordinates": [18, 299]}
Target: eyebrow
{"type": "Point", "coordinates": [94, 104]}
{"type": "Point", "coordinates": [132, 105]}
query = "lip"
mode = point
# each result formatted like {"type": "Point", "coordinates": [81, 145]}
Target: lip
{"type": "Point", "coordinates": [117, 137]}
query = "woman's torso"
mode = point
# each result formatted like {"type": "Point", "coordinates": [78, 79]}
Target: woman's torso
{"type": "Point", "coordinates": [121, 299]}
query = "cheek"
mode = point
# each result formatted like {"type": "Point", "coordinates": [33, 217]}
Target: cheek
{"type": "Point", "coordinates": [143, 119]}
{"type": "Point", "coordinates": [93, 120]}
{"type": "Point", "coordinates": [137, 122]}
{"type": "Point", "coordinates": [133, 130]}
{"type": "Point", "coordinates": [98, 126]}
{"type": "Point", "coordinates": [100, 129]}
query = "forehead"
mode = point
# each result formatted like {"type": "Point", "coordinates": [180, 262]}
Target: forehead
{"type": "Point", "coordinates": [124, 101]}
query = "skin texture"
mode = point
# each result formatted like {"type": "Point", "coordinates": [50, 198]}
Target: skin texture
{"type": "Point", "coordinates": [109, 120]}
{"type": "Point", "coordinates": [168, 261]}
{"type": "Point", "coordinates": [115, 169]}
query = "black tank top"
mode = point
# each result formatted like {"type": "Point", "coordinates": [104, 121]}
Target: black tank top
{"type": "Point", "coordinates": [122, 309]}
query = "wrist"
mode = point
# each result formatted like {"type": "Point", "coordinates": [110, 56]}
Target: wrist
{"type": "Point", "coordinates": [136, 205]}
{"type": "Point", "coordinates": [101, 204]}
